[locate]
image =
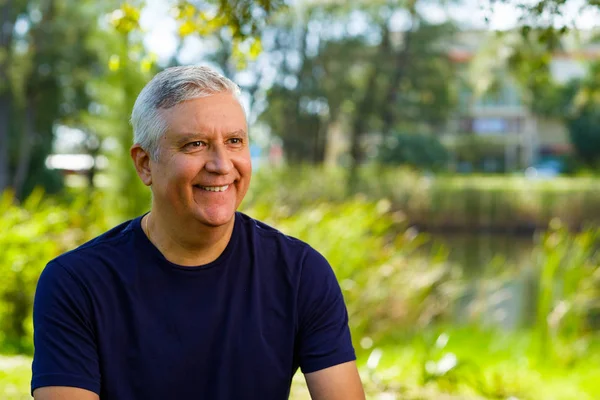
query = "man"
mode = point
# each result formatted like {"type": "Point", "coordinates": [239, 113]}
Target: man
{"type": "Point", "coordinates": [194, 300]}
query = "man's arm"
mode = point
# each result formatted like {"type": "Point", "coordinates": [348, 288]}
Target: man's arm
{"type": "Point", "coordinates": [66, 356]}
{"type": "Point", "coordinates": [340, 382]}
{"type": "Point", "coordinates": [63, 393]}
{"type": "Point", "coordinates": [324, 346]}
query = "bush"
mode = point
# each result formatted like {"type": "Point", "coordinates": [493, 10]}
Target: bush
{"type": "Point", "coordinates": [385, 283]}
{"type": "Point", "coordinates": [415, 150]}
{"type": "Point", "coordinates": [441, 201]}
{"type": "Point", "coordinates": [31, 234]}
{"type": "Point", "coordinates": [568, 279]}
{"type": "Point", "coordinates": [584, 132]}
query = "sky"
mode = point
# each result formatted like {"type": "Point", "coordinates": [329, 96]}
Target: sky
{"type": "Point", "coordinates": [505, 16]}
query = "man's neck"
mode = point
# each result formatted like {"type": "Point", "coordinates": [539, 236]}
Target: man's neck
{"type": "Point", "coordinates": [188, 245]}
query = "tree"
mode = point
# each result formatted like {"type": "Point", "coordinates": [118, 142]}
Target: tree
{"type": "Point", "coordinates": [582, 115]}
{"type": "Point", "coordinates": [416, 150]}
{"type": "Point", "coordinates": [584, 131]}
{"type": "Point", "coordinates": [576, 103]}
{"type": "Point", "coordinates": [374, 80]}
{"type": "Point", "coordinates": [9, 11]}
{"type": "Point", "coordinates": [49, 65]}
{"type": "Point", "coordinates": [552, 15]}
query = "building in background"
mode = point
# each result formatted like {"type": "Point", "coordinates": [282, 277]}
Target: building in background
{"type": "Point", "coordinates": [492, 119]}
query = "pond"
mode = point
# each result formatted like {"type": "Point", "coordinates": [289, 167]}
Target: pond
{"type": "Point", "coordinates": [487, 255]}
{"type": "Point", "coordinates": [497, 270]}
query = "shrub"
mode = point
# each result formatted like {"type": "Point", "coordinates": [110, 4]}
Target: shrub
{"type": "Point", "coordinates": [568, 268]}
{"type": "Point", "coordinates": [415, 150]}
{"type": "Point", "coordinates": [374, 255]}
{"type": "Point", "coordinates": [31, 234]}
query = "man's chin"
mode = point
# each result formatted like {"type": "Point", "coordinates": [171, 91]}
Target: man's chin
{"type": "Point", "coordinates": [216, 220]}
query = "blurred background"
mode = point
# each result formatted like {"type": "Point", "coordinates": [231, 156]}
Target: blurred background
{"type": "Point", "coordinates": [443, 155]}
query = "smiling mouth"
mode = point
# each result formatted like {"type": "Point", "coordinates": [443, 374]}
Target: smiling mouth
{"type": "Point", "coordinates": [213, 188]}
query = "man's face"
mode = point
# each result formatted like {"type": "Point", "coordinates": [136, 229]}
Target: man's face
{"type": "Point", "coordinates": [204, 169]}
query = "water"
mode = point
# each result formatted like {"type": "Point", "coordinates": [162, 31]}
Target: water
{"type": "Point", "coordinates": [487, 255]}
{"type": "Point", "coordinates": [499, 277]}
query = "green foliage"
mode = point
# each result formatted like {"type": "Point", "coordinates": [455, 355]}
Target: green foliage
{"type": "Point", "coordinates": [475, 149]}
{"type": "Point", "coordinates": [569, 286]}
{"type": "Point", "coordinates": [31, 234]}
{"type": "Point", "coordinates": [582, 116]}
{"type": "Point", "coordinates": [546, 16]}
{"type": "Point", "coordinates": [51, 63]}
{"type": "Point", "coordinates": [127, 67]}
{"type": "Point", "coordinates": [575, 102]}
{"type": "Point", "coordinates": [15, 377]}
{"type": "Point", "coordinates": [423, 152]}
{"type": "Point", "coordinates": [584, 132]}
{"type": "Point", "coordinates": [242, 15]}
{"type": "Point", "coordinates": [500, 365]}
{"type": "Point", "coordinates": [440, 201]}
{"type": "Point", "coordinates": [239, 21]}
{"type": "Point", "coordinates": [527, 60]}
{"type": "Point", "coordinates": [354, 83]}
{"type": "Point", "coordinates": [375, 259]}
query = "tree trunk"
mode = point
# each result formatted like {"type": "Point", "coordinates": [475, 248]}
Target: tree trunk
{"type": "Point", "coordinates": [402, 58]}
{"type": "Point", "coordinates": [364, 108]}
{"type": "Point", "coordinates": [359, 127]}
{"type": "Point", "coordinates": [94, 151]}
{"type": "Point", "coordinates": [26, 141]}
{"type": "Point", "coordinates": [25, 147]}
{"type": "Point", "coordinates": [4, 115]}
{"type": "Point", "coordinates": [7, 16]}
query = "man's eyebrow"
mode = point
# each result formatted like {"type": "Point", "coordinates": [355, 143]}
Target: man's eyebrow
{"type": "Point", "coordinates": [239, 132]}
{"type": "Point", "coordinates": [185, 138]}
{"type": "Point", "coordinates": [189, 137]}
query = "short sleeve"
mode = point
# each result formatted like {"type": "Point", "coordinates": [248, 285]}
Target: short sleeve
{"type": "Point", "coordinates": [64, 340]}
{"type": "Point", "coordinates": [323, 333]}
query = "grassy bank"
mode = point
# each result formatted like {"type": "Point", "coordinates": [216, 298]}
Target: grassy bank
{"type": "Point", "coordinates": [438, 202]}
{"type": "Point", "coordinates": [15, 377]}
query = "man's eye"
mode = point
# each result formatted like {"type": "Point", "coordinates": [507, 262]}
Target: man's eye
{"type": "Point", "coordinates": [235, 141]}
{"type": "Point", "coordinates": [197, 143]}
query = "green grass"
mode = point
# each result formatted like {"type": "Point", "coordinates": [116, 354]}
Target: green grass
{"type": "Point", "coordinates": [494, 365]}
{"type": "Point", "coordinates": [490, 365]}
{"type": "Point", "coordinates": [15, 376]}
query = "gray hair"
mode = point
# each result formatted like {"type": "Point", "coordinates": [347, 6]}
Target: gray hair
{"type": "Point", "coordinates": [167, 89]}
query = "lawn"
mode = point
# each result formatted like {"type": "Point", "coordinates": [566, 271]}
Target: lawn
{"type": "Point", "coordinates": [15, 373]}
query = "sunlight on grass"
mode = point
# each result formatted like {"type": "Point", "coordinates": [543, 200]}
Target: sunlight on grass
{"type": "Point", "coordinates": [15, 376]}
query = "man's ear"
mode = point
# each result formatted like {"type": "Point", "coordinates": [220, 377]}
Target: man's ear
{"type": "Point", "coordinates": [141, 160]}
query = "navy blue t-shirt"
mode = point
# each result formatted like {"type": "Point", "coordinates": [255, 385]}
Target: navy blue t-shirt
{"type": "Point", "coordinates": [115, 317]}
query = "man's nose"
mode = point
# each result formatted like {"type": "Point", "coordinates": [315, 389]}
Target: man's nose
{"type": "Point", "coordinates": [219, 161]}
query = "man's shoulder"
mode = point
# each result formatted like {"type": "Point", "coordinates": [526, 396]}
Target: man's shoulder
{"type": "Point", "coordinates": [267, 235]}
{"type": "Point", "coordinates": [272, 245]}
{"type": "Point", "coordinates": [109, 243]}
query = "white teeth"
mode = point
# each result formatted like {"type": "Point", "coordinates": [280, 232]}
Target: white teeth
{"type": "Point", "coordinates": [215, 188]}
